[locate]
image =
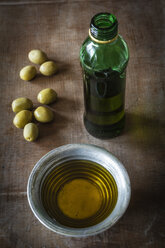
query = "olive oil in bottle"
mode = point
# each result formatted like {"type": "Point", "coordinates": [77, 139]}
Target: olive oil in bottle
{"type": "Point", "coordinates": [79, 193]}
{"type": "Point", "coordinates": [104, 56]}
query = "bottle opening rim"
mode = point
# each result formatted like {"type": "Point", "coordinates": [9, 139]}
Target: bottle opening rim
{"type": "Point", "coordinates": [104, 26]}
{"type": "Point", "coordinates": [104, 21]}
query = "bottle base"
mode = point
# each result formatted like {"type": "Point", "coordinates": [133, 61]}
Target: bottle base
{"type": "Point", "coordinates": [104, 132]}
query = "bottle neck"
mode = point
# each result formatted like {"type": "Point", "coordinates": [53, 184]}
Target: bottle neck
{"type": "Point", "coordinates": [103, 27]}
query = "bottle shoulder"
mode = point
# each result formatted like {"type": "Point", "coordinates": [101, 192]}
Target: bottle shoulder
{"type": "Point", "coordinates": [114, 55]}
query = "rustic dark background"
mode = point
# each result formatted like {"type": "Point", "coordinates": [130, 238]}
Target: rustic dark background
{"type": "Point", "coordinates": [59, 28]}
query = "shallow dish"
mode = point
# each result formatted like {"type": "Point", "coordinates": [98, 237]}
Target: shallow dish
{"type": "Point", "coordinates": [78, 190]}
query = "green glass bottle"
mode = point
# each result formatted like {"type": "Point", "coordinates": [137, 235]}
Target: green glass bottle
{"type": "Point", "coordinates": [104, 57]}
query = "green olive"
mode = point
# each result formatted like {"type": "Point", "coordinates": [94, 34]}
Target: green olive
{"type": "Point", "coordinates": [48, 68]}
{"type": "Point", "coordinates": [37, 56]}
{"type": "Point", "coordinates": [43, 114]}
{"type": "Point", "coordinates": [28, 73]}
{"type": "Point", "coordinates": [47, 96]}
{"type": "Point", "coordinates": [30, 132]}
{"type": "Point", "coordinates": [22, 118]}
{"type": "Point", "coordinates": [21, 103]}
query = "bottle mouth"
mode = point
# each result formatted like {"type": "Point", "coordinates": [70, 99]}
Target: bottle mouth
{"type": "Point", "coordinates": [104, 26]}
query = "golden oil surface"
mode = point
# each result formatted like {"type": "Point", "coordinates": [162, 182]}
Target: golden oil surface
{"type": "Point", "coordinates": [79, 193]}
{"type": "Point", "coordinates": [79, 199]}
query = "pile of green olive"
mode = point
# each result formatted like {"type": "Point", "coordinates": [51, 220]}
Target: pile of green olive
{"type": "Point", "coordinates": [24, 116]}
{"type": "Point", "coordinates": [47, 68]}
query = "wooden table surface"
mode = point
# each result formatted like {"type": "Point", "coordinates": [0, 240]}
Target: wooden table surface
{"type": "Point", "coordinates": [59, 28]}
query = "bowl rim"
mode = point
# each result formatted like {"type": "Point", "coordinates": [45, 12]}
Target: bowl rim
{"type": "Point", "coordinates": [86, 231]}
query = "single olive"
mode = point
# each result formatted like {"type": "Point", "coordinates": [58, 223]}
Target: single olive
{"type": "Point", "coordinates": [47, 96]}
{"type": "Point", "coordinates": [37, 56]}
{"type": "Point", "coordinates": [21, 103]}
{"type": "Point", "coordinates": [43, 114]}
{"type": "Point", "coordinates": [30, 132]}
{"type": "Point", "coordinates": [28, 73]}
{"type": "Point", "coordinates": [22, 118]}
{"type": "Point", "coordinates": [48, 68]}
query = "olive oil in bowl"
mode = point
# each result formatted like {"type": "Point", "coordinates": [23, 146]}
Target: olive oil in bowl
{"type": "Point", "coordinates": [79, 193]}
{"type": "Point", "coordinates": [78, 190]}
